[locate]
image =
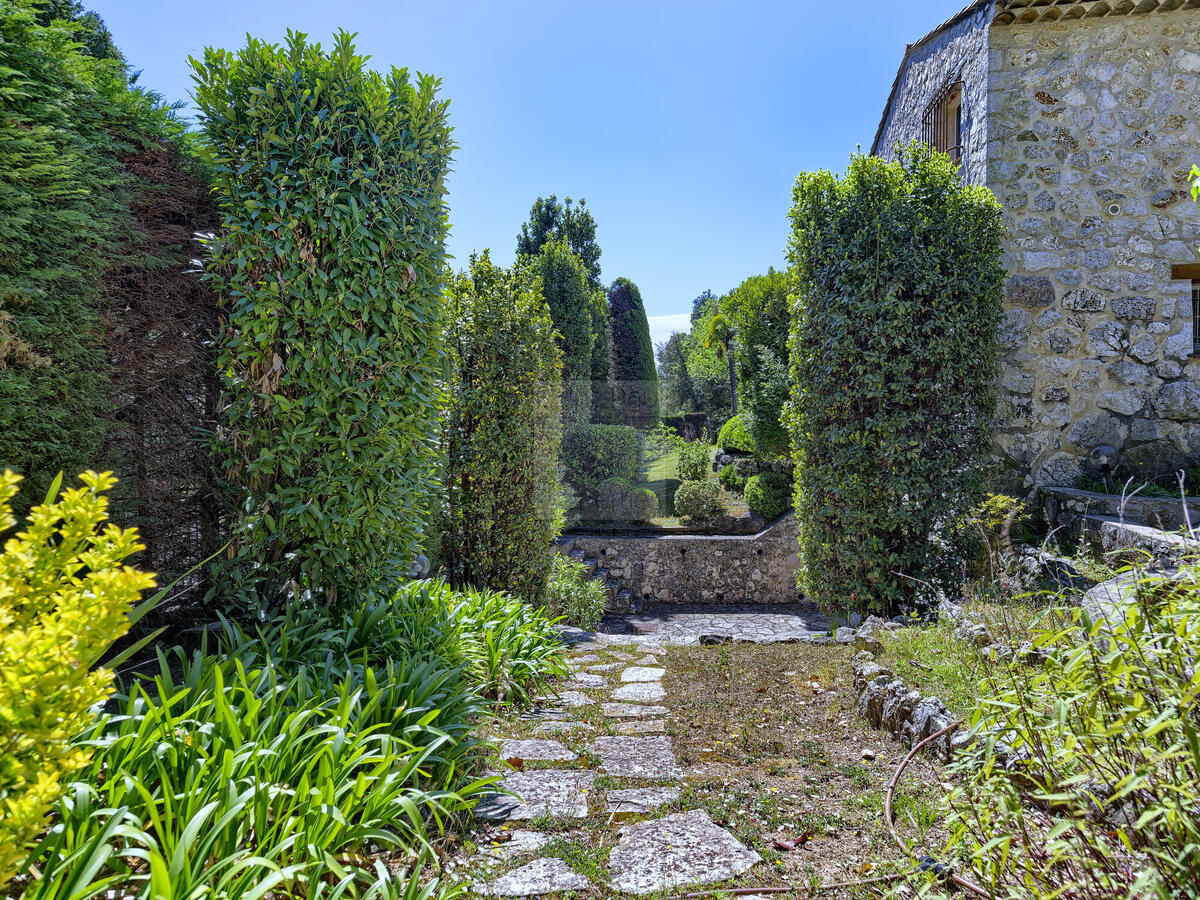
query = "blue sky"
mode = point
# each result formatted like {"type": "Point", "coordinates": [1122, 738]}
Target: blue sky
{"type": "Point", "coordinates": [682, 124]}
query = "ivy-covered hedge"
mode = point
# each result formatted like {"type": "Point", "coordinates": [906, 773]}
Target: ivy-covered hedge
{"type": "Point", "coordinates": [500, 432]}
{"type": "Point", "coordinates": [898, 277]}
{"type": "Point", "coordinates": [594, 453]}
{"type": "Point", "coordinates": [329, 261]}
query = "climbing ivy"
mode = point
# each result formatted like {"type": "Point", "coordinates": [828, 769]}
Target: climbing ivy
{"type": "Point", "coordinates": [893, 360]}
{"type": "Point", "coordinates": [329, 261]}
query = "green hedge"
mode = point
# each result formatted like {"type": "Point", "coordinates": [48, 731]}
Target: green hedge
{"type": "Point", "coordinates": [699, 503]}
{"type": "Point", "coordinates": [593, 453]}
{"type": "Point", "coordinates": [735, 436]}
{"type": "Point", "coordinates": [893, 366]}
{"type": "Point", "coordinates": [768, 494]}
{"type": "Point", "coordinates": [330, 262]}
{"type": "Point", "coordinates": [634, 374]}
{"type": "Point", "coordinates": [500, 432]}
{"type": "Point", "coordinates": [695, 461]}
{"type": "Point", "coordinates": [731, 479]}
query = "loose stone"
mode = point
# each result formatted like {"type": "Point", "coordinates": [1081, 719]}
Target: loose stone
{"type": "Point", "coordinates": [680, 849]}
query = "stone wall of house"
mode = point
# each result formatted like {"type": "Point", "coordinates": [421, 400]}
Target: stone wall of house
{"type": "Point", "coordinates": [758, 568]}
{"type": "Point", "coordinates": [960, 52]}
{"type": "Point", "coordinates": [1093, 126]}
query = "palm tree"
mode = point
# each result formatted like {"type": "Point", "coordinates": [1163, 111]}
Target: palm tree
{"type": "Point", "coordinates": [719, 337]}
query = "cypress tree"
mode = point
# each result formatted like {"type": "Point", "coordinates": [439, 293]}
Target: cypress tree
{"type": "Point", "coordinates": [634, 376]}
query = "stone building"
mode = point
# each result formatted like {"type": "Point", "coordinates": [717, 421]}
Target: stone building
{"type": "Point", "coordinates": [1083, 117]}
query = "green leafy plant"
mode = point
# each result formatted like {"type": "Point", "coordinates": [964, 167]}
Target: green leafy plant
{"type": "Point", "coordinates": [642, 505]}
{"type": "Point", "coordinates": [695, 461]}
{"type": "Point", "coordinates": [889, 456]}
{"type": "Point", "coordinates": [501, 432]}
{"type": "Point", "coordinates": [759, 311]}
{"type": "Point", "coordinates": [612, 498]}
{"type": "Point", "coordinates": [734, 436]}
{"type": "Point", "coordinates": [769, 495]}
{"type": "Point", "coordinates": [330, 257]}
{"type": "Point", "coordinates": [699, 503]}
{"type": "Point", "coordinates": [731, 479]}
{"type": "Point", "coordinates": [1085, 777]}
{"type": "Point", "coordinates": [65, 597]}
{"type": "Point", "coordinates": [594, 453]}
{"type": "Point", "coordinates": [575, 596]}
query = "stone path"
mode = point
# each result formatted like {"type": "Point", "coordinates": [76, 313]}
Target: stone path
{"type": "Point", "coordinates": [573, 779]}
{"type": "Point", "coordinates": [685, 624]}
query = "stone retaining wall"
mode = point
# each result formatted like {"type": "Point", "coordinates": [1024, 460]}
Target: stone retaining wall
{"type": "Point", "coordinates": [759, 568]}
{"type": "Point", "coordinates": [1065, 507]}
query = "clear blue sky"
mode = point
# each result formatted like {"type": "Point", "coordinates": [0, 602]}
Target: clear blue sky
{"type": "Point", "coordinates": [682, 124]}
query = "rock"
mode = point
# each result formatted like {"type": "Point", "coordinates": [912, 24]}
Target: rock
{"type": "Point", "coordinates": [709, 640]}
{"type": "Point", "coordinates": [574, 699]}
{"type": "Point", "coordinates": [631, 711]}
{"type": "Point", "coordinates": [585, 680]}
{"type": "Point", "coordinates": [868, 754]}
{"type": "Point", "coordinates": [639, 692]}
{"type": "Point", "coordinates": [559, 727]}
{"type": "Point", "coordinates": [535, 750]}
{"type": "Point", "coordinates": [898, 707]}
{"type": "Point", "coordinates": [867, 638]}
{"type": "Point", "coordinates": [520, 841]}
{"type": "Point", "coordinates": [1124, 403]}
{"type": "Point", "coordinates": [642, 726]}
{"type": "Point", "coordinates": [1134, 307]}
{"type": "Point", "coordinates": [871, 700]}
{"type": "Point", "coordinates": [1029, 290]}
{"type": "Point", "coordinates": [546, 792]}
{"type": "Point", "coordinates": [1178, 401]}
{"type": "Point", "coordinates": [854, 619]}
{"type": "Point", "coordinates": [637, 757]}
{"type": "Point", "coordinates": [844, 635]}
{"type": "Point", "coordinates": [542, 876]}
{"type": "Point", "coordinates": [642, 673]}
{"type": "Point", "coordinates": [924, 714]}
{"type": "Point", "coordinates": [680, 849]}
{"type": "Point", "coordinates": [640, 801]}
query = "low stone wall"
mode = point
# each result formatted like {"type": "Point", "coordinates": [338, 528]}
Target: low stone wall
{"type": "Point", "coordinates": [1066, 507]}
{"type": "Point", "coordinates": [759, 568]}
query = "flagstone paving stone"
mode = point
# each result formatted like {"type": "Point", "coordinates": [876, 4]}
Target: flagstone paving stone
{"type": "Point", "coordinates": [643, 673]}
{"type": "Point", "coordinates": [637, 757]}
{"type": "Point", "coordinates": [639, 800]}
{"type": "Point", "coordinates": [542, 876]}
{"type": "Point", "coordinates": [573, 699]}
{"type": "Point", "coordinates": [558, 793]}
{"type": "Point", "coordinates": [606, 667]}
{"type": "Point", "coordinates": [519, 841]}
{"type": "Point", "coordinates": [642, 726]}
{"type": "Point", "coordinates": [685, 848]}
{"type": "Point", "coordinates": [535, 749]}
{"type": "Point", "coordinates": [584, 681]}
{"type": "Point", "coordinates": [640, 692]}
{"type": "Point", "coordinates": [560, 727]}
{"type": "Point", "coordinates": [631, 710]}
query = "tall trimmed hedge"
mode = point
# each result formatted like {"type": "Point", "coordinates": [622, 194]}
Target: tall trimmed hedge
{"type": "Point", "coordinates": [501, 432]}
{"type": "Point", "coordinates": [329, 261]}
{"type": "Point", "coordinates": [898, 296]}
{"type": "Point", "coordinates": [634, 375]}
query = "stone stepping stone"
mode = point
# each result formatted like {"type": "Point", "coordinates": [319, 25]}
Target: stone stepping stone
{"type": "Point", "coordinates": [680, 849]}
{"type": "Point", "coordinates": [535, 750]}
{"type": "Point", "coordinates": [560, 727]}
{"type": "Point", "coordinates": [605, 667]}
{"type": "Point", "coordinates": [573, 699]}
{"type": "Point", "coordinates": [584, 658]}
{"type": "Point", "coordinates": [637, 757]}
{"type": "Point", "coordinates": [642, 726]}
{"type": "Point", "coordinates": [542, 876]}
{"type": "Point", "coordinates": [584, 681]}
{"type": "Point", "coordinates": [620, 654]}
{"type": "Point", "coordinates": [640, 692]}
{"type": "Point", "coordinates": [631, 710]}
{"type": "Point", "coordinates": [639, 801]}
{"type": "Point", "coordinates": [557, 793]}
{"type": "Point", "coordinates": [642, 673]}
{"type": "Point", "coordinates": [521, 841]}
{"type": "Point", "coordinates": [648, 660]}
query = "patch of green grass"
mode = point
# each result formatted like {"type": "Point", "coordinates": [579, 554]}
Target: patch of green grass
{"type": "Point", "coordinates": [584, 857]}
{"type": "Point", "coordinates": [857, 774]}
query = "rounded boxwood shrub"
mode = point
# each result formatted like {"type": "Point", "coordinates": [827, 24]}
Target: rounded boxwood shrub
{"type": "Point", "coordinates": [731, 479]}
{"type": "Point", "coordinates": [695, 461]}
{"type": "Point", "coordinates": [612, 498]}
{"type": "Point", "coordinates": [734, 436]}
{"type": "Point", "coordinates": [768, 495]}
{"type": "Point", "coordinates": [699, 503]}
{"type": "Point", "coordinates": [643, 505]}
{"type": "Point", "coordinates": [893, 365]}
{"type": "Point", "coordinates": [593, 453]}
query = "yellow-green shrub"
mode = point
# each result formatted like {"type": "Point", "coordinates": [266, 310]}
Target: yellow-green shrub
{"type": "Point", "coordinates": [64, 598]}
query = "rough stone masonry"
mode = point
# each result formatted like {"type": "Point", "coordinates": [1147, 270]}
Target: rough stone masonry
{"type": "Point", "coordinates": [1085, 127]}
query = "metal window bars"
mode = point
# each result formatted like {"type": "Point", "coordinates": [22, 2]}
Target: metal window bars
{"type": "Point", "coordinates": [1196, 317]}
{"type": "Point", "coordinates": [942, 125]}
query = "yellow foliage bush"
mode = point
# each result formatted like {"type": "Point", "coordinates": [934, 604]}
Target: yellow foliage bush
{"type": "Point", "coordinates": [65, 597]}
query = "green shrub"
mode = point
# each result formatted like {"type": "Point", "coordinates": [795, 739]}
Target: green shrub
{"type": "Point", "coordinates": [594, 453]}
{"type": "Point", "coordinates": [65, 597]}
{"type": "Point", "coordinates": [574, 595]}
{"type": "Point", "coordinates": [1085, 778]}
{"type": "Point", "coordinates": [612, 498]}
{"type": "Point", "coordinates": [734, 436]}
{"type": "Point", "coordinates": [699, 503]}
{"type": "Point", "coordinates": [731, 479]}
{"type": "Point", "coordinates": [501, 432]}
{"type": "Point", "coordinates": [760, 312]}
{"type": "Point", "coordinates": [330, 260]}
{"type": "Point", "coordinates": [643, 505]}
{"type": "Point", "coordinates": [695, 461]}
{"type": "Point", "coordinates": [888, 455]}
{"type": "Point", "coordinates": [768, 494]}
{"type": "Point", "coordinates": [634, 375]}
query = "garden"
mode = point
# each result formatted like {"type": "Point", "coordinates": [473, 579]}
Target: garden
{"type": "Point", "coordinates": [281, 609]}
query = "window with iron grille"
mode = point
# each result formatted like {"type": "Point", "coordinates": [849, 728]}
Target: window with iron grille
{"type": "Point", "coordinates": [1196, 318]}
{"type": "Point", "coordinates": [942, 124]}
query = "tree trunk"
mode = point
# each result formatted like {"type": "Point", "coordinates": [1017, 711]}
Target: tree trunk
{"type": "Point", "coordinates": [732, 380]}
